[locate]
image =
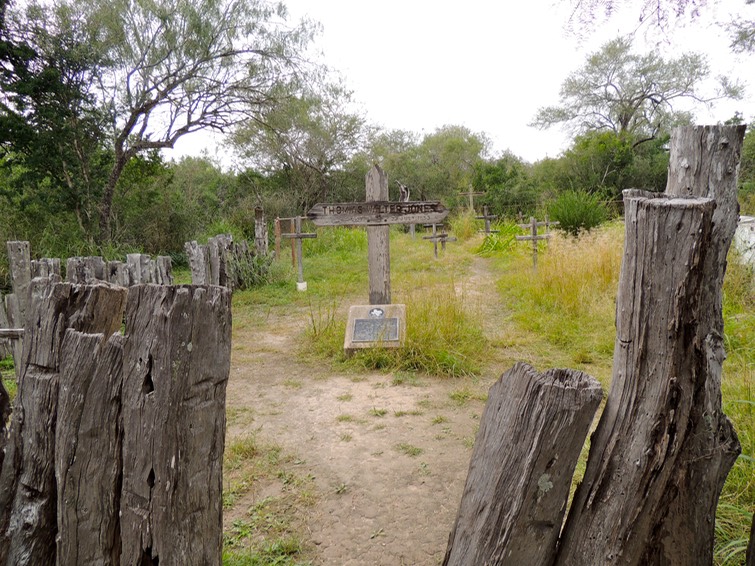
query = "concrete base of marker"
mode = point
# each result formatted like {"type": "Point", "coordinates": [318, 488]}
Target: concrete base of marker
{"type": "Point", "coordinates": [375, 326]}
{"type": "Point", "coordinates": [301, 286]}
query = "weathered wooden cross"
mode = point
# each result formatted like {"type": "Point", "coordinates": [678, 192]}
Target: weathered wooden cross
{"type": "Point", "coordinates": [471, 193]}
{"type": "Point", "coordinates": [436, 237]}
{"type": "Point", "coordinates": [535, 237]}
{"type": "Point", "coordinates": [297, 235]}
{"type": "Point", "coordinates": [487, 217]}
{"type": "Point", "coordinates": [376, 214]}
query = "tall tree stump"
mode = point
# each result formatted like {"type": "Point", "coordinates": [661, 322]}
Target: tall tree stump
{"type": "Point", "coordinates": [28, 496]}
{"type": "Point", "coordinates": [176, 366]}
{"type": "Point", "coordinates": [531, 434]}
{"type": "Point", "coordinates": [640, 452]}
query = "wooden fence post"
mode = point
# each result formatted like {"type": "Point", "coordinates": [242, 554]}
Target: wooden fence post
{"type": "Point", "coordinates": [88, 424]}
{"type": "Point", "coordinates": [28, 497]}
{"type": "Point", "coordinates": [531, 434]}
{"type": "Point", "coordinates": [199, 262]}
{"type": "Point", "coordinates": [176, 368]}
{"type": "Point", "coordinates": [260, 232]}
{"type": "Point", "coordinates": [639, 454]}
{"type": "Point", "coordinates": [19, 258]}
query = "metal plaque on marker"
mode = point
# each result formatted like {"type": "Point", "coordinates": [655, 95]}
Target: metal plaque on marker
{"type": "Point", "coordinates": [375, 330]}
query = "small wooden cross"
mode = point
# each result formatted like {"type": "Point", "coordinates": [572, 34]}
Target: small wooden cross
{"type": "Point", "coordinates": [535, 237]}
{"type": "Point", "coordinates": [436, 237]}
{"type": "Point", "coordinates": [471, 193]}
{"type": "Point", "coordinates": [298, 236]}
{"type": "Point", "coordinates": [487, 217]}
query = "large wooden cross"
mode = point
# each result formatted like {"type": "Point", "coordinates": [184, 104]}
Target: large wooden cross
{"type": "Point", "coordinates": [376, 213]}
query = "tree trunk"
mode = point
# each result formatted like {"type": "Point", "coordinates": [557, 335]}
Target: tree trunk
{"type": "Point", "coordinates": [531, 433]}
{"type": "Point", "coordinates": [639, 453]}
{"type": "Point", "coordinates": [28, 497]}
{"type": "Point", "coordinates": [175, 372]}
{"type": "Point", "coordinates": [106, 204]}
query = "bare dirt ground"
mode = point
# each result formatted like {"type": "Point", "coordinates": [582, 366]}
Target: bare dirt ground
{"type": "Point", "coordinates": [386, 455]}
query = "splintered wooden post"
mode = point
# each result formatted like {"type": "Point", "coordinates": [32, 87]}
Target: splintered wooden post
{"type": "Point", "coordinates": [176, 363]}
{"type": "Point", "coordinates": [277, 239]}
{"type": "Point", "coordinates": [530, 437]}
{"type": "Point", "coordinates": [663, 448]}
{"type": "Point", "coordinates": [378, 246]}
{"type": "Point", "coordinates": [260, 232]}
{"type": "Point", "coordinates": [28, 486]}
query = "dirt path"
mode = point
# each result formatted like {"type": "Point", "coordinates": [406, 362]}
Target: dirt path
{"type": "Point", "coordinates": [387, 455]}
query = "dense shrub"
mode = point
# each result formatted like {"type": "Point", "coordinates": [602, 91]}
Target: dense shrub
{"type": "Point", "coordinates": [577, 211]}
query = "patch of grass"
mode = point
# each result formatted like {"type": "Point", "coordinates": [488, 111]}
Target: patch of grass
{"type": "Point", "coordinates": [406, 378]}
{"type": "Point", "coordinates": [270, 531]}
{"type": "Point", "coordinates": [464, 395]}
{"type": "Point", "coordinates": [345, 418]}
{"type": "Point", "coordinates": [440, 419]}
{"type": "Point", "coordinates": [346, 437]}
{"type": "Point", "coordinates": [409, 449]}
{"type": "Point", "coordinates": [414, 413]}
{"type": "Point", "coordinates": [568, 305]}
{"type": "Point", "coordinates": [345, 397]}
{"type": "Point", "coordinates": [378, 412]}
{"type": "Point", "coordinates": [8, 375]}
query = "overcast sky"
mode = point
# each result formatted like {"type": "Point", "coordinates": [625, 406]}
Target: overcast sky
{"type": "Point", "coordinates": [420, 64]}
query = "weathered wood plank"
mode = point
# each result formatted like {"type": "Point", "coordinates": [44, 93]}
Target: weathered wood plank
{"type": "Point", "coordinates": [632, 480]}
{"type": "Point", "coordinates": [261, 240]}
{"type": "Point", "coordinates": [118, 274]}
{"type": "Point", "coordinates": [750, 558]}
{"type": "Point", "coordinates": [19, 260]}
{"type": "Point", "coordinates": [28, 498]}
{"type": "Point", "coordinates": [199, 262]}
{"type": "Point", "coordinates": [85, 270]}
{"type": "Point", "coordinates": [219, 248]}
{"type": "Point", "coordinates": [45, 267]}
{"type": "Point", "coordinates": [378, 243]}
{"type": "Point", "coordinates": [530, 437]}
{"type": "Point", "coordinates": [88, 449]}
{"type": "Point", "coordinates": [378, 211]}
{"type": "Point", "coordinates": [6, 349]}
{"type": "Point", "coordinates": [176, 366]}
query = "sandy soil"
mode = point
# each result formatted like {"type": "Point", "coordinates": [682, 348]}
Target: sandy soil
{"type": "Point", "coordinates": [389, 460]}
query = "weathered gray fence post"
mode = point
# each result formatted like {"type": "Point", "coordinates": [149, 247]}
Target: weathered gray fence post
{"type": "Point", "coordinates": [531, 434]}
{"type": "Point", "coordinates": [19, 258]}
{"type": "Point", "coordinates": [634, 504]}
{"type": "Point", "coordinates": [175, 372]}
{"type": "Point", "coordinates": [28, 494]}
{"type": "Point", "coordinates": [88, 449]}
{"type": "Point", "coordinates": [85, 270]}
{"type": "Point", "coordinates": [261, 243]}
{"type": "Point", "coordinates": [45, 267]}
{"type": "Point", "coordinates": [199, 262]}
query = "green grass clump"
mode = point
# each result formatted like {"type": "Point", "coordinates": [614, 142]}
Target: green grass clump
{"type": "Point", "coordinates": [464, 224]}
{"type": "Point", "coordinates": [501, 241]}
{"type": "Point", "coordinates": [8, 375]}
